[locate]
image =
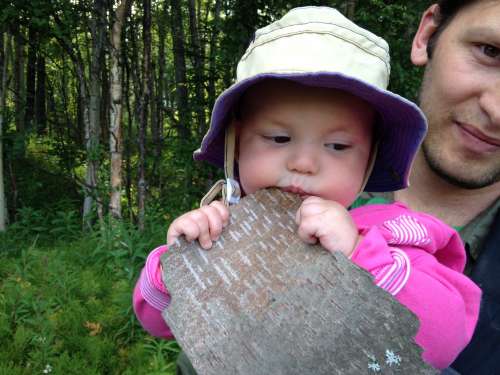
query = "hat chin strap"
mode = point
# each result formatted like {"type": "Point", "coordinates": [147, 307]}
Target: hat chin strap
{"type": "Point", "coordinates": [229, 187]}
{"type": "Point", "coordinates": [369, 167]}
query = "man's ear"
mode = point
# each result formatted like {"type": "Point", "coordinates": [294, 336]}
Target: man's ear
{"type": "Point", "coordinates": [428, 26]}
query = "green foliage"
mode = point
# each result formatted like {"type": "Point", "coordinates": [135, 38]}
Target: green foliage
{"type": "Point", "coordinates": [43, 226]}
{"type": "Point", "coordinates": [67, 308]}
{"type": "Point", "coordinates": [396, 22]}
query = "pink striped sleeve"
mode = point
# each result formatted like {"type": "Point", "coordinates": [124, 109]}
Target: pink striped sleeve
{"type": "Point", "coordinates": [393, 277]}
{"type": "Point", "coordinates": [407, 230]}
{"type": "Point", "coordinates": [390, 266]}
{"type": "Point", "coordinates": [151, 285]}
{"type": "Point", "coordinates": [151, 298]}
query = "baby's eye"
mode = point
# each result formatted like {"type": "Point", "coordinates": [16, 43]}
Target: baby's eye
{"type": "Point", "coordinates": [337, 146]}
{"type": "Point", "coordinates": [279, 139]}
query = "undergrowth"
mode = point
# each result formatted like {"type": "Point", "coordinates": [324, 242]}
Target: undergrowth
{"type": "Point", "coordinates": [65, 298]}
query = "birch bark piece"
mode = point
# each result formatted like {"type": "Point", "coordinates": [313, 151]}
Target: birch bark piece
{"type": "Point", "coordinates": [263, 302]}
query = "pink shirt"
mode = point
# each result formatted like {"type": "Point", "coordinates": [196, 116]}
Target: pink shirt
{"type": "Point", "coordinates": [413, 256]}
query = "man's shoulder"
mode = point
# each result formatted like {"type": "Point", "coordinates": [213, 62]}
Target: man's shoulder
{"type": "Point", "coordinates": [476, 232]}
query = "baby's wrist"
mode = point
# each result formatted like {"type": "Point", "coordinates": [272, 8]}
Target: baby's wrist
{"type": "Point", "coordinates": [356, 244]}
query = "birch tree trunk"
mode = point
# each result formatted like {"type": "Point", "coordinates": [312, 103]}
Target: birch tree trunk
{"type": "Point", "coordinates": [128, 140]}
{"type": "Point", "coordinates": [198, 57]}
{"type": "Point", "coordinates": [143, 114]}
{"type": "Point", "coordinates": [115, 131]}
{"type": "Point", "coordinates": [4, 58]}
{"type": "Point", "coordinates": [98, 30]}
{"type": "Point", "coordinates": [90, 183]}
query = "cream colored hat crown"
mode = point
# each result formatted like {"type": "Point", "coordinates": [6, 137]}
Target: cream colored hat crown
{"type": "Point", "coordinates": [317, 39]}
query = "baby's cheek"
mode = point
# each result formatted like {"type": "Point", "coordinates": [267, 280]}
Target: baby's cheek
{"type": "Point", "coordinates": [253, 177]}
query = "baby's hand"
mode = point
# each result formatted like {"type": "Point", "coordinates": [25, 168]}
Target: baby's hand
{"type": "Point", "coordinates": [329, 222]}
{"type": "Point", "coordinates": [204, 224]}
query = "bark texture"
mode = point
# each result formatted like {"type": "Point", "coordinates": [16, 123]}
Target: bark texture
{"type": "Point", "coordinates": [179, 51]}
{"type": "Point", "coordinates": [4, 55]}
{"type": "Point", "coordinates": [144, 113]}
{"type": "Point", "coordinates": [198, 62]}
{"type": "Point", "coordinates": [263, 302]}
{"type": "Point", "coordinates": [115, 131]}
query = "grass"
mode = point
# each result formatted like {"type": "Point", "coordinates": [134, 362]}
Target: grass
{"type": "Point", "coordinates": [65, 299]}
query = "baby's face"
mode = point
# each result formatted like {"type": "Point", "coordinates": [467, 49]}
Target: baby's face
{"type": "Point", "coordinates": [305, 140]}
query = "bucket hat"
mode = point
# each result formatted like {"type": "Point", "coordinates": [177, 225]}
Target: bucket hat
{"type": "Point", "coordinates": [319, 47]}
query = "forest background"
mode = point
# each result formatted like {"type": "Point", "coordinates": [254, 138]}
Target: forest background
{"type": "Point", "coordinates": [101, 104]}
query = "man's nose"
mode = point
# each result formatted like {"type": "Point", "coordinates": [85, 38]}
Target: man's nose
{"type": "Point", "coordinates": [490, 101]}
{"type": "Point", "coordinates": [304, 160]}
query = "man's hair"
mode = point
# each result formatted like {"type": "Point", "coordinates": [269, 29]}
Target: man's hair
{"type": "Point", "coordinates": [447, 10]}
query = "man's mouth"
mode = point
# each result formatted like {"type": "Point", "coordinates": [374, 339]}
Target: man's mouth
{"type": "Point", "coordinates": [477, 140]}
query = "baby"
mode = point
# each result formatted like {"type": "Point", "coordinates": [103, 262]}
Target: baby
{"type": "Point", "coordinates": [310, 114]}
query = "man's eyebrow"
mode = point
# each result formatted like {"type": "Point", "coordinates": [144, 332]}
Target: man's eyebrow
{"type": "Point", "coordinates": [492, 34]}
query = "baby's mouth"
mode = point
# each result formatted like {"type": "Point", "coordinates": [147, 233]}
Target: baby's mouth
{"type": "Point", "coordinates": [296, 190]}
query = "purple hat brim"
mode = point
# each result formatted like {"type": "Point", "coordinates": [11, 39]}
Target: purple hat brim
{"type": "Point", "coordinates": [401, 126]}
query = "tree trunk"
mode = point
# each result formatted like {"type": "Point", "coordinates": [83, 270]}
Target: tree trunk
{"type": "Point", "coordinates": [55, 128]}
{"type": "Point", "coordinates": [115, 131]}
{"type": "Point", "coordinates": [4, 53]}
{"type": "Point", "coordinates": [128, 143]}
{"type": "Point", "coordinates": [143, 113]}
{"type": "Point", "coordinates": [40, 98]}
{"type": "Point", "coordinates": [80, 113]}
{"type": "Point", "coordinates": [161, 98]}
{"type": "Point", "coordinates": [105, 100]}
{"type": "Point", "coordinates": [350, 8]}
{"type": "Point", "coordinates": [19, 82]}
{"type": "Point", "coordinates": [90, 183]}
{"type": "Point", "coordinates": [212, 69]}
{"type": "Point", "coordinates": [98, 30]}
{"type": "Point", "coordinates": [31, 77]}
{"type": "Point", "coordinates": [69, 126]}
{"type": "Point", "coordinates": [198, 57]}
{"type": "Point", "coordinates": [181, 92]}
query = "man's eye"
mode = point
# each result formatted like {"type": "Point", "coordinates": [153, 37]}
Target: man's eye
{"type": "Point", "coordinates": [337, 146]}
{"type": "Point", "coordinates": [279, 139]}
{"type": "Point", "coordinates": [490, 51]}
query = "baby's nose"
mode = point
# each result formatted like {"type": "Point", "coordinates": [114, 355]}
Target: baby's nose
{"type": "Point", "coordinates": [304, 161]}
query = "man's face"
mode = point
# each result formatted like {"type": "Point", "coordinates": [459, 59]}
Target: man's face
{"type": "Point", "coordinates": [304, 140]}
{"type": "Point", "coordinates": [460, 96]}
